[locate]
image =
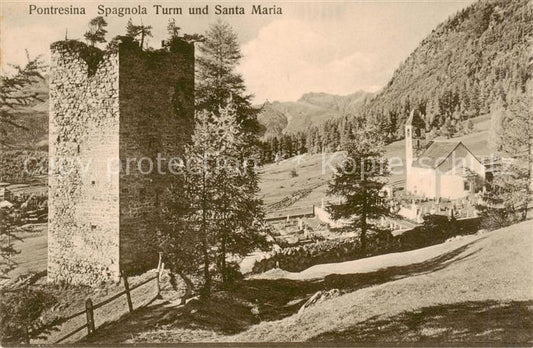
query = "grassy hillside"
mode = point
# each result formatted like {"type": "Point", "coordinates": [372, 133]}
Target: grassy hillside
{"type": "Point", "coordinates": [469, 289]}
{"type": "Point", "coordinates": [486, 277]}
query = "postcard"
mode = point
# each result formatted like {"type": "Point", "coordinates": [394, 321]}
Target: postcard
{"type": "Point", "coordinates": [346, 173]}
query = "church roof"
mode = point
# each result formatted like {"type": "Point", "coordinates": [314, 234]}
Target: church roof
{"type": "Point", "coordinates": [436, 153]}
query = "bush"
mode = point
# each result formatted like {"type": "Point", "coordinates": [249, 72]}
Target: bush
{"type": "Point", "coordinates": [436, 229]}
{"type": "Point", "coordinates": [233, 272]}
{"type": "Point", "coordinates": [294, 174]}
{"type": "Point", "coordinates": [20, 315]}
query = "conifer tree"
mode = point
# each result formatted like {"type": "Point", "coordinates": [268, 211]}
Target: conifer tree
{"type": "Point", "coordinates": [97, 31]}
{"type": "Point", "coordinates": [222, 189]}
{"type": "Point", "coordinates": [238, 212]}
{"type": "Point", "coordinates": [217, 79]}
{"type": "Point", "coordinates": [172, 29]}
{"type": "Point", "coordinates": [199, 172]}
{"type": "Point", "coordinates": [179, 233]}
{"type": "Point", "coordinates": [517, 143]}
{"type": "Point", "coordinates": [358, 181]}
{"type": "Point", "coordinates": [508, 195]}
{"type": "Point", "coordinates": [7, 250]}
{"type": "Point", "coordinates": [16, 94]}
{"type": "Point", "coordinates": [138, 32]}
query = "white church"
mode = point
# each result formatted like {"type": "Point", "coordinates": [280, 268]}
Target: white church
{"type": "Point", "coordinates": [440, 169]}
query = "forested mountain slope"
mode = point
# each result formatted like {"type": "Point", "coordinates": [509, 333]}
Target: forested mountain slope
{"type": "Point", "coordinates": [476, 58]}
{"type": "Point", "coordinates": [474, 63]}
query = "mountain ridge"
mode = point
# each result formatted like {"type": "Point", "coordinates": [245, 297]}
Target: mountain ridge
{"type": "Point", "coordinates": [311, 109]}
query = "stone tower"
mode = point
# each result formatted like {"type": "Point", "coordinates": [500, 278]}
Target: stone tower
{"type": "Point", "coordinates": [414, 143]}
{"type": "Point", "coordinates": [409, 143]}
{"type": "Point", "coordinates": [112, 114]}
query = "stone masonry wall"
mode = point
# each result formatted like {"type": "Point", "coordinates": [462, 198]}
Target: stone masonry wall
{"type": "Point", "coordinates": [296, 259]}
{"type": "Point", "coordinates": [122, 105]}
{"type": "Point", "coordinates": [83, 233]}
{"type": "Point", "coordinates": [156, 117]}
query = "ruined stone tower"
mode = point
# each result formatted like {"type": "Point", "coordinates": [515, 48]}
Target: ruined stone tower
{"type": "Point", "coordinates": [111, 110]}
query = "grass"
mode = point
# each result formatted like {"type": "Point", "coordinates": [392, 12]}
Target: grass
{"type": "Point", "coordinates": [492, 268]}
{"type": "Point", "coordinates": [473, 321]}
{"type": "Point", "coordinates": [447, 297]}
{"type": "Point", "coordinates": [246, 304]}
{"type": "Point", "coordinates": [31, 270]}
{"type": "Point", "coordinates": [315, 171]}
{"type": "Point", "coordinates": [33, 249]}
{"type": "Point", "coordinates": [71, 300]}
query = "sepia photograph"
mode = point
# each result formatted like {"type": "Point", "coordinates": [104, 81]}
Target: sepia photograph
{"type": "Point", "coordinates": [294, 173]}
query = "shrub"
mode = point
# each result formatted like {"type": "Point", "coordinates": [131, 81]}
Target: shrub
{"type": "Point", "coordinates": [436, 229]}
{"type": "Point", "coordinates": [20, 315]}
{"type": "Point", "coordinates": [294, 173]}
{"type": "Point", "coordinates": [233, 272]}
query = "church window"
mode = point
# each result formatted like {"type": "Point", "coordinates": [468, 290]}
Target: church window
{"type": "Point", "coordinates": [467, 186]}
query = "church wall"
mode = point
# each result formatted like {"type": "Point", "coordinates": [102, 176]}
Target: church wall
{"type": "Point", "coordinates": [459, 156]}
{"type": "Point", "coordinates": [452, 186]}
{"type": "Point", "coordinates": [422, 182]}
{"type": "Point", "coordinates": [452, 170]}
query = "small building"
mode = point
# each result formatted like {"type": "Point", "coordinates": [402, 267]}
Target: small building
{"type": "Point", "coordinates": [5, 194]}
{"type": "Point", "coordinates": [444, 169]}
{"type": "Point", "coordinates": [6, 205]}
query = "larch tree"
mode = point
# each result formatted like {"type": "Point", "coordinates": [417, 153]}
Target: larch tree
{"type": "Point", "coordinates": [517, 143]}
{"type": "Point", "coordinates": [96, 32]}
{"type": "Point", "coordinates": [508, 195]}
{"type": "Point", "coordinates": [217, 81]}
{"type": "Point", "coordinates": [199, 172]}
{"type": "Point", "coordinates": [16, 94]}
{"type": "Point", "coordinates": [358, 181]}
{"type": "Point", "coordinates": [223, 194]}
{"type": "Point", "coordinates": [172, 29]}
{"type": "Point", "coordinates": [138, 32]}
{"type": "Point", "coordinates": [179, 233]}
{"type": "Point", "coordinates": [238, 211]}
{"type": "Point", "coordinates": [221, 96]}
{"type": "Point", "coordinates": [7, 251]}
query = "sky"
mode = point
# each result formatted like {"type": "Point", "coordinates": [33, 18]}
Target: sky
{"type": "Point", "coordinates": [337, 47]}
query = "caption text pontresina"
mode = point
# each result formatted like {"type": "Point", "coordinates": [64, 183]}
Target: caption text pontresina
{"type": "Point", "coordinates": [157, 9]}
